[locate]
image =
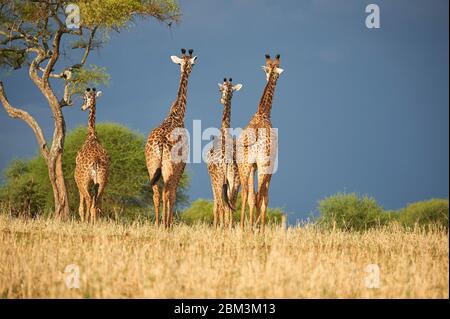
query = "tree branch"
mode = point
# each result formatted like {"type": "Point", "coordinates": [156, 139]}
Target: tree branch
{"type": "Point", "coordinates": [26, 117]}
{"type": "Point", "coordinates": [89, 46]}
{"type": "Point", "coordinates": [55, 55]}
{"type": "Point", "coordinates": [34, 66]}
{"type": "Point", "coordinates": [53, 75]}
{"type": "Point", "coordinates": [9, 38]}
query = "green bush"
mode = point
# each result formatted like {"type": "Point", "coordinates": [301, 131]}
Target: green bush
{"type": "Point", "coordinates": [425, 213]}
{"type": "Point", "coordinates": [355, 212]}
{"type": "Point", "coordinates": [128, 193]}
{"type": "Point", "coordinates": [201, 210]}
{"type": "Point", "coordinates": [351, 212]}
{"type": "Point", "coordinates": [22, 197]}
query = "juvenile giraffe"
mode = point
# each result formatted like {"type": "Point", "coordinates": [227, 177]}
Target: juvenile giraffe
{"type": "Point", "coordinates": [222, 167]}
{"type": "Point", "coordinates": [256, 150]}
{"type": "Point", "coordinates": [167, 146]}
{"type": "Point", "coordinates": [92, 164]}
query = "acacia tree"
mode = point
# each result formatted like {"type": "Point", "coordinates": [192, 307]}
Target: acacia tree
{"type": "Point", "coordinates": [33, 34]}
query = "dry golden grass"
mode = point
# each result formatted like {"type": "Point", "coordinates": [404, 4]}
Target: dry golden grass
{"type": "Point", "coordinates": [142, 261]}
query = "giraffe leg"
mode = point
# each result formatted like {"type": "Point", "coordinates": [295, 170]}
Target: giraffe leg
{"type": "Point", "coordinates": [251, 195]}
{"type": "Point", "coordinates": [244, 172]}
{"type": "Point", "coordinates": [259, 196]}
{"type": "Point", "coordinates": [172, 192]}
{"type": "Point", "coordinates": [244, 195]}
{"type": "Point", "coordinates": [222, 216]}
{"type": "Point", "coordinates": [88, 201]}
{"type": "Point", "coordinates": [83, 188]}
{"type": "Point", "coordinates": [156, 203]}
{"type": "Point", "coordinates": [93, 212]}
{"type": "Point", "coordinates": [215, 214]}
{"type": "Point", "coordinates": [81, 207]}
{"type": "Point", "coordinates": [229, 218]}
{"type": "Point", "coordinates": [216, 210]}
{"type": "Point", "coordinates": [165, 198]}
{"type": "Point", "coordinates": [98, 200]}
{"type": "Point", "coordinates": [263, 198]}
{"type": "Point", "coordinates": [172, 199]}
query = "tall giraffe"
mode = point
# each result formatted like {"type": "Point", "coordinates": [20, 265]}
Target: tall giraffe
{"type": "Point", "coordinates": [256, 150]}
{"type": "Point", "coordinates": [222, 167]}
{"type": "Point", "coordinates": [167, 145]}
{"type": "Point", "coordinates": [92, 163]}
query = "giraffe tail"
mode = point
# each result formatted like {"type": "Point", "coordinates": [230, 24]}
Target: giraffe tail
{"type": "Point", "coordinates": [96, 183]}
{"type": "Point", "coordinates": [225, 197]}
{"type": "Point", "coordinates": [156, 176]}
{"type": "Point", "coordinates": [96, 186]}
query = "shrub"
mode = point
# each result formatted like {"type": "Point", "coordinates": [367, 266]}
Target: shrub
{"type": "Point", "coordinates": [201, 210]}
{"type": "Point", "coordinates": [351, 212]}
{"type": "Point", "coordinates": [23, 196]}
{"type": "Point", "coordinates": [425, 213]}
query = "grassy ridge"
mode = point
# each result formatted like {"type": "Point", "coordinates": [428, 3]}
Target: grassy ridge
{"type": "Point", "coordinates": [197, 261]}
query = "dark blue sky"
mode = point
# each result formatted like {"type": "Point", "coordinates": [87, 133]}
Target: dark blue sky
{"type": "Point", "coordinates": [357, 109]}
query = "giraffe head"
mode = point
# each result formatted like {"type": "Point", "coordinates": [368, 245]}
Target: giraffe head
{"type": "Point", "coordinates": [227, 88]}
{"type": "Point", "coordinates": [90, 97]}
{"type": "Point", "coordinates": [272, 67]}
{"type": "Point", "coordinates": [186, 61]}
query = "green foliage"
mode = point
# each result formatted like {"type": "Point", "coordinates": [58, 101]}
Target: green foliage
{"type": "Point", "coordinates": [12, 59]}
{"type": "Point", "coordinates": [355, 212]}
{"type": "Point", "coordinates": [351, 212]}
{"type": "Point", "coordinates": [114, 14]}
{"type": "Point", "coordinates": [201, 210]}
{"type": "Point", "coordinates": [425, 213]}
{"type": "Point", "coordinates": [23, 196]}
{"type": "Point", "coordinates": [87, 77]}
{"type": "Point", "coordinates": [41, 19]}
{"type": "Point", "coordinates": [128, 193]}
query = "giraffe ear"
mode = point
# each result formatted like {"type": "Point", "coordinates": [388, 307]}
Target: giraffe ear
{"type": "Point", "coordinates": [192, 60]}
{"type": "Point", "coordinates": [279, 70]}
{"type": "Point", "coordinates": [99, 93]}
{"type": "Point", "coordinates": [237, 87]}
{"type": "Point", "coordinates": [176, 59]}
{"type": "Point", "coordinates": [220, 86]}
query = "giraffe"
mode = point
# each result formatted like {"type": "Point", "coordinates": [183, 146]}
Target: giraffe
{"type": "Point", "coordinates": [164, 144]}
{"type": "Point", "coordinates": [222, 167]}
{"type": "Point", "coordinates": [256, 150]}
{"type": "Point", "coordinates": [92, 163]}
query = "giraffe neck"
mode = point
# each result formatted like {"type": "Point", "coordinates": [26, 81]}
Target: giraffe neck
{"type": "Point", "coordinates": [265, 104]}
{"type": "Point", "coordinates": [91, 122]}
{"type": "Point", "coordinates": [226, 123]}
{"type": "Point", "coordinates": [178, 109]}
{"type": "Point", "coordinates": [226, 116]}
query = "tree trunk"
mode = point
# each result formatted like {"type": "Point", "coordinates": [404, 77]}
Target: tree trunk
{"type": "Point", "coordinates": [55, 172]}
{"type": "Point", "coordinates": [55, 169]}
